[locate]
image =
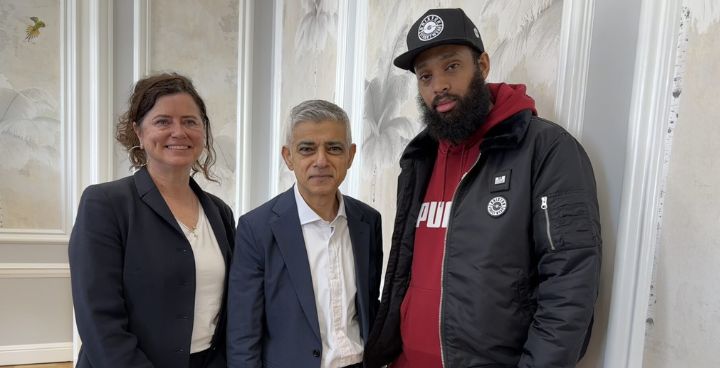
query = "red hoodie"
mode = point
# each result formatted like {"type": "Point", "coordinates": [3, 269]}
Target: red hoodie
{"type": "Point", "coordinates": [420, 310]}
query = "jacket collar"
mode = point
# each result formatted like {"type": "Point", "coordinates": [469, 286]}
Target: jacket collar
{"type": "Point", "coordinates": [307, 214]}
{"type": "Point", "coordinates": [288, 234]}
{"type": "Point", "coordinates": [506, 135]}
{"type": "Point", "coordinates": [150, 194]}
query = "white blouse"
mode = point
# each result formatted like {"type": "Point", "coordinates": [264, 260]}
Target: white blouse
{"type": "Point", "coordinates": [209, 281]}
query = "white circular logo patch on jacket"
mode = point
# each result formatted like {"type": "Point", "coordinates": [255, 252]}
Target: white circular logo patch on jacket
{"type": "Point", "coordinates": [497, 206]}
{"type": "Point", "coordinates": [430, 27]}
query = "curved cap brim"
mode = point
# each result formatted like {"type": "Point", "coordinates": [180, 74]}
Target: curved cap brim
{"type": "Point", "coordinates": [407, 60]}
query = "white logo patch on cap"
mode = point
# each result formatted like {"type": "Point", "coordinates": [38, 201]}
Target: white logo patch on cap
{"type": "Point", "coordinates": [477, 34]}
{"type": "Point", "coordinates": [497, 206]}
{"type": "Point", "coordinates": [430, 27]}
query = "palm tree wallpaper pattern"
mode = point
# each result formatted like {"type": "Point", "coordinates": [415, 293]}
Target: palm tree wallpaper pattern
{"type": "Point", "coordinates": [30, 123]}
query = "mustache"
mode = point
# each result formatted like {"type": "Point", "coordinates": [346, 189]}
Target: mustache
{"type": "Point", "coordinates": [445, 96]}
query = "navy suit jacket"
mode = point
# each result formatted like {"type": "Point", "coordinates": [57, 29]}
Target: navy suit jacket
{"type": "Point", "coordinates": [272, 319]}
{"type": "Point", "coordinates": [133, 275]}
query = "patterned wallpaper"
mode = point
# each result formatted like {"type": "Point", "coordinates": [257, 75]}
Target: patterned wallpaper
{"type": "Point", "coordinates": [30, 115]}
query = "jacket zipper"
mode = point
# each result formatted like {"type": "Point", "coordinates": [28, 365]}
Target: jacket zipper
{"type": "Point", "coordinates": [442, 270]}
{"type": "Point", "coordinates": [544, 207]}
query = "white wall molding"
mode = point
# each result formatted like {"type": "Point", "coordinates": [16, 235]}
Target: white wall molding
{"type": "Point", "coordinates": [91, 141]}
{"type": "Point", "coordinates": [71, 132]}
{"type": "Point", "coordinates": [344, 38]}
{"type": "Point", "coordinates": [35, 236]}
{"type": "Point", "coordinates": [574, 63]}
{"type": "Point", "coordinates": [350, 77]}
{"type": "Point", "coordinates": [101, 90]}
{"type": "Point", "coordinates": [35, 353]}
{"type": "Point", "coordinates": [276, 96]}
{"type": "Point", "coordinates": [34, 270]}
{"type": "Point", "coordinates": [637, 235]}
{"type": "Point", "coordinates": [244, 106]}
{"type": "Point", "coordinates": [141, 39]}
{"type": "Point", "coordinates": [92, 155]}
{"type": "Point", "coordinates": [262, 157]}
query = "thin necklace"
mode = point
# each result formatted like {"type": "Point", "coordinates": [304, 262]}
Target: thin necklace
{"type": "Point", "coordinates": [192, 230]}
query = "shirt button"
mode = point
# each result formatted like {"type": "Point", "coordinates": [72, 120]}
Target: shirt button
{"type": "Point", "coordinates": [316, 353]}
{"type": "Point", "coordinates": [180, 350]}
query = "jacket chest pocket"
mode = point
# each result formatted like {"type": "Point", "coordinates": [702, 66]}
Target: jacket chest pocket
{"type": "Point", "coordinates": [566, 221]}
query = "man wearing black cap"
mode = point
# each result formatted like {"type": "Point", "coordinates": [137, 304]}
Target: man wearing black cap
{"type": "Point", "coordinates": [495, 258]}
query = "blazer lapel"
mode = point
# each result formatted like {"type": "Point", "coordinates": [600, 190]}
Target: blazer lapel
{"type": "Point", "coordinates": [288, 233]}
{"type": "Point", "coordinates": [360, 239]}
{"type": "Point", "coordinates": [150, 194]}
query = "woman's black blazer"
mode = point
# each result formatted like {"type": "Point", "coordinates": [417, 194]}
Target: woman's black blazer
{"type": "Point", "coordinates": [133, 276]}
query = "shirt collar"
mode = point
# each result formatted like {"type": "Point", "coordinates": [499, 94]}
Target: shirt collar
{"type": "Point", "coordinates": [308, 215]}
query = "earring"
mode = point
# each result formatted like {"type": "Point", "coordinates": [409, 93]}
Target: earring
{"type": "Point", "coordinates": [130, 155]}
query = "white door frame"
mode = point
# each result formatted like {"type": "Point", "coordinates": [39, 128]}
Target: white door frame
{"type": "Point", "coordinates": [639, 217]}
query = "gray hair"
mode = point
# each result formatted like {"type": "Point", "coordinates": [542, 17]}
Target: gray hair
{"type": "Point", "coordinates": [316, 111]}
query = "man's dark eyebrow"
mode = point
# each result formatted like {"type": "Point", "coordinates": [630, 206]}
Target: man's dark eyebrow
{"type": "Point", "coordinates": [444, 56]}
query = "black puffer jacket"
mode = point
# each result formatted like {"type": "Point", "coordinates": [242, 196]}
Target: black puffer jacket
{"type": "Point", "coordinates": [519, 288]}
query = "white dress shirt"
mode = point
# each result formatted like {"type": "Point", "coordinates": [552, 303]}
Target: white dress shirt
{"type": "Point", "coordinates": [209, 281]}
{"type": "Point", "coordinates": [332, 266]}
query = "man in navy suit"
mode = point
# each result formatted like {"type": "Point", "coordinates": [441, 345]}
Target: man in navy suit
{"type": "Point", "coordinates": [305, 276]}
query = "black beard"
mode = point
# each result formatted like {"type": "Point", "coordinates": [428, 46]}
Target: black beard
{"type": "Point", "coordinates": [461, 122]}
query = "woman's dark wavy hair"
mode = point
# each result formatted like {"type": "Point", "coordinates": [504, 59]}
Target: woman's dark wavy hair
{"type": "Point", "coordinates": [145, 94]}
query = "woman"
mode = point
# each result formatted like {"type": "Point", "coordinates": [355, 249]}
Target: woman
{"type": "Point", "coordinates": [149, 253]}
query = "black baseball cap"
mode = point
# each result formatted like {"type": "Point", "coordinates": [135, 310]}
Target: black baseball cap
{"type": "Point", "coordinates": [439, 27]}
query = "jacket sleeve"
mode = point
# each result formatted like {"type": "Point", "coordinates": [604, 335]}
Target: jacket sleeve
{"type": "Point", "coordinates": [566, 232]}
{"type": "Point", "coordinates": [96, 266]}
{"type": "Point", "coordinates": [246, 300]}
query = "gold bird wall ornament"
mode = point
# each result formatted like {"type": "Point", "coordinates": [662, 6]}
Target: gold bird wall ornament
{"type": "Point", "coordinates": [33, 31]}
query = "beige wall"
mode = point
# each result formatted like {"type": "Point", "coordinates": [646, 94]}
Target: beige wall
{"type": "Point", "coordinates": [683, 327]}
{"type": "Point", "coordinates": [35, 311]}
